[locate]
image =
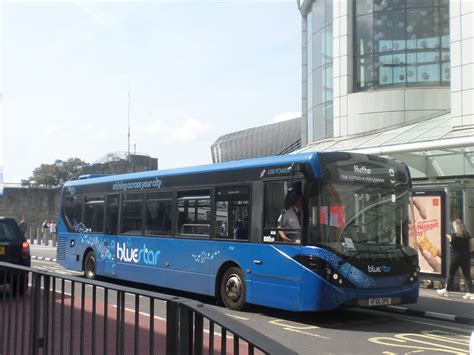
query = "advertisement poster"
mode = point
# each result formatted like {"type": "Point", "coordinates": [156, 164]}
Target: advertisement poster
{"type": "Point", "coordinates": [428, 209]}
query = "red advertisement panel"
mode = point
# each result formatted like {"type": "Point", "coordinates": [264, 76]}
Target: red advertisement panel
{"type": "Point", "coordinates": [429, 229]}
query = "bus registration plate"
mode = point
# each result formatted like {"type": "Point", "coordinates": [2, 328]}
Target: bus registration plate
{"type": "Point", "coordinates": [380, 301]}
{"type": "Point", "coordinates": [2, 250]}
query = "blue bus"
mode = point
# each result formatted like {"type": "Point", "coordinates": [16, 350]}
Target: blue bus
{"type": "Point", "coordinates": [218, 230]}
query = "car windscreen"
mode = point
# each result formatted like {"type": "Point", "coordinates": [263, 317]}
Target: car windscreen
{"type": "Point", "coordinates": [9, 231]}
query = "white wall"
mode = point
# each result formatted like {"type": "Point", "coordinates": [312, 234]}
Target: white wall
{"type": "Point", "coordinates": [462, 62]}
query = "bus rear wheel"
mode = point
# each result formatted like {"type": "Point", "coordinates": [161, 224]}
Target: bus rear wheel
{"type": "Point", "coordinates": [90, 266]}
{"type": "Point", "coordinates": [233, 289]}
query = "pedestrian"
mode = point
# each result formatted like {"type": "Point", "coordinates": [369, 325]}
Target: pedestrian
{"type": "Point", "coordinates": [52, 230]}
{"type": "Point", "coordinates": [45, 230]}
{"type": "Point", "coordinates": [460, 258]}
{"type": "Point", "coordinates": [23, 227]}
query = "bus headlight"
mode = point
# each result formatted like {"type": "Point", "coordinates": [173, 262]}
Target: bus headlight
{"type": "Point", "coordinates": [323, 269]}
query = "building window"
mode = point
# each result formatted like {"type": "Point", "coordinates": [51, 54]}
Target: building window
{"type": "Point", "coordinates": [399, 43]}
{"type": "Point", "coordinates": [319, 80]}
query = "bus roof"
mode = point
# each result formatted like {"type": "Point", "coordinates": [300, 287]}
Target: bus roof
{"type": "Point", "coordinates": [309, 158]}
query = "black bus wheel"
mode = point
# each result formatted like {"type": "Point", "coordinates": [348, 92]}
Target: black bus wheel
{"type": "Point", "coordinates": [90, 266]}
{"type": "Point", "coordinates": [233, 289]}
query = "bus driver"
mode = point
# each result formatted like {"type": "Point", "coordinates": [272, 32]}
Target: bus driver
{"type": "Point", "coordinates": [291, 218]}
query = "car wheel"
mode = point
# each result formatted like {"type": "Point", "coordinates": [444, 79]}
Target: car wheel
{"type": "Point", "coordinates": [90, 266]}
{"type": "Point", "coordinates": [233, 289]}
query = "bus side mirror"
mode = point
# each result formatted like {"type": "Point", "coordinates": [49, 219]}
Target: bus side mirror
{"type": "Point", "coordinates": [295, 168]}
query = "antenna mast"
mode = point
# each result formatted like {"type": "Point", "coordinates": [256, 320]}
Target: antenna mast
{"type": "Point", "coordinates": [128, 145]}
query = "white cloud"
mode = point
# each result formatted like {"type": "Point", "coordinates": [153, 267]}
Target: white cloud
{"type": "Point", "coordinates": [168, 132]}
{"type": "Point", "coordinates": [87, 126]}
{"type": "Point", "coordinates": [190, 130]}
{"type": "Point", "coordinates": [52, 130]}
{"type": "Point", "coordinates": [285, 116]}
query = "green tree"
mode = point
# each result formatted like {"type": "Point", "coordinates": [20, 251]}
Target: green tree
{"type": "Point", "coordinates": [56, 174]}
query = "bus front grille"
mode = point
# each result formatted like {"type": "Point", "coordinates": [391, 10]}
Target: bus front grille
{"type": "Point", "coordinates": [61, 249]}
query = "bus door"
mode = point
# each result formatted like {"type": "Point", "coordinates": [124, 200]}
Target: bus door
{"type": "Point", "coordinates": [276, 277]}
{"type": "Point", "coordinates": [111, 231]}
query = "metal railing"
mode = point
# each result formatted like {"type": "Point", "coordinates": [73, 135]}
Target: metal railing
{"type": "Point", "coordinates": [71, 315]}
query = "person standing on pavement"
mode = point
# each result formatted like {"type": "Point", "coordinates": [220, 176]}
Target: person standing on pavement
{"type": "Point", "coordinates": [52, 230]}
{"type": "Point", "coordinates": [23, 227]}
{"type": "Point", "coordinates": [45, 230]}
{"type": "Point", "coordinates": [460, 258]}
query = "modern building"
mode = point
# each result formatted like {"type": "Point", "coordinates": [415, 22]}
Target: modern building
{"type": "Point", "coordinates": [272, 139]}
{"type": "Point", "coordinates": [394, 78]}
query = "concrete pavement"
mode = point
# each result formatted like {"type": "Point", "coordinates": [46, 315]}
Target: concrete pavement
{"type": "Point", "coordinates": [431, 305]}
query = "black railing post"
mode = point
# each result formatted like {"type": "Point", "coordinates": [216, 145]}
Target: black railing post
{"type": "Point", "coordinates": [35, 320]}
{"type": "Point", "coordinates": [184, 319]}
{"type": "Point", "coordinates": [171, 328]}
{"type": "Point", "coordinates": [198, 334]}
{"type": "Point", "coordinates": [185, 330]}
{"type": "Point", "coordinates": [46, 286]}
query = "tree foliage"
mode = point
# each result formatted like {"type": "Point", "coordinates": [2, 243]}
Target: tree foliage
{"type": "Point", "coordinates": [56, 174]}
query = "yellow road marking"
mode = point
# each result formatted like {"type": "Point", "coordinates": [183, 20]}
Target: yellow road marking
{"type": "Point", "coordinates": [281, 323]}
{"type": "Point", "coordinates": [425, 341]}
{"type": "Point", "coordinates": [458, 329]}
{"type": "Point", "coordinates": [306, 333]}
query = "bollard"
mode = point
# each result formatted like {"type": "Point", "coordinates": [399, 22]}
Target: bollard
{"type": "Point", "coordinates": [39, 235]}
{"type": "Point", "coordinates": [53, 237]}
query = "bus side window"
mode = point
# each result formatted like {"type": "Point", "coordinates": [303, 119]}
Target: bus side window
{"type": "Point", "coordinates": [72, 212]}
{"type": "Point", "coordinates": [232, 213]}
{"type": "Point", "coordinates": [279, 211]}
{"type": "Point", "coordinates": [112, 213]}
{"type": "Point", "coordinates": [194, 213]}
{"type": "Point", "coordinates": [131, 213]}
{"type": "Point", "coordinates": [158, 214]}
{"type": "Point", "coordinates": [93, 218]}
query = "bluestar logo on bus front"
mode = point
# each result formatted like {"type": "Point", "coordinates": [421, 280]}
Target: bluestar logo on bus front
{"type": "Point", "coordinates": [135, 255]}
{"type": "Point", "coordinates": [377, 269]}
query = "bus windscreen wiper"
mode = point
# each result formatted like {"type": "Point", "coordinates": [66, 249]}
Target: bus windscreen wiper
{"type": "Point", "coordinates": [350, 258]}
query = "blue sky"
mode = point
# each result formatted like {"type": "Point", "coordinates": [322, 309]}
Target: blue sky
{"type": "Point", "coordinates": [197, 70]}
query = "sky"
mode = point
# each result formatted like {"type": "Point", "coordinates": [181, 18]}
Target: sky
{"type": "Point", "coordinates": [196, 69]}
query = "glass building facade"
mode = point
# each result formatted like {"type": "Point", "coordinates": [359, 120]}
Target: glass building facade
{"type": "Point", "coordinates": [401, 43]}
{"type": "Point", "coordinates": [319, 70]}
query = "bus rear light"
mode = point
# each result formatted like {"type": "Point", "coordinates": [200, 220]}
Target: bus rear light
{"type": "Point", "coordinates": [25, 249]}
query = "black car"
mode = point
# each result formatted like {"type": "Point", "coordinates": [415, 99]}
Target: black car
{"type": "Point", "coordinates": [16, 250]}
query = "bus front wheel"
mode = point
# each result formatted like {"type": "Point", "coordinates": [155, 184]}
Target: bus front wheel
{"type": "Point", "coordinates": [90, 266]}
{"type": "Point", "coordinates": [233, 289]}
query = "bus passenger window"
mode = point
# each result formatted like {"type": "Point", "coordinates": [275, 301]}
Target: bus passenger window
{"type": "Point", "coordinates": [158, 212]}
{"type": "Point", "coordinates": [93, 218]}
{"type": "Point", "coordinates": [194, 213]}
{"type": "Point", "coordinates": [283, 214]}
{"type": "Point", "coordinates": [72, 212]}
{"type": "Point", "coordinates": [132, 207]}
{"type": "Point", "coordinates": [232, 213]}
{"type": "Point", "coordinates": [111, 219]}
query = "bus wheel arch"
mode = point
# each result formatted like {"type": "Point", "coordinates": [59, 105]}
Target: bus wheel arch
{"type": "Point", "coordinates": [89, 264]}
{"type": "Point", "coordinates": [230, 286]}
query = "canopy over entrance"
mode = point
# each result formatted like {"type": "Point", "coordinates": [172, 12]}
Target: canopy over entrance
{"type": "Point", "coordinates": [431, 147]}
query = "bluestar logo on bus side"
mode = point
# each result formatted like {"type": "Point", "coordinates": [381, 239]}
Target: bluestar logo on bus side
{"type": "Point", "coordinates": [135, 255]}
{"type": "Point", "coordinates": [377, 269]}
